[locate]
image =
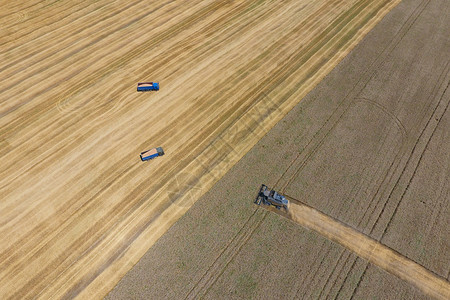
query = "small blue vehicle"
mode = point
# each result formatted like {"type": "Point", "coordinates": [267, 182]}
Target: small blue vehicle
{"type": "Point", "coordinates": [147, 86]}
{"type": "Point", "coordinates": [152, 153]}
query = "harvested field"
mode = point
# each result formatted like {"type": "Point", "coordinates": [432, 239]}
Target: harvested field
{"type": "Point", "coordinates": [368, 147]}
{"type": "Point", "coordinates": [78, 207]}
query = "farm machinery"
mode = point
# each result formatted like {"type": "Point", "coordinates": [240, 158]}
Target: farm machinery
{"type": "Point", "coordinates": [152, 153]}
{"type": "Point", "coordinates": [147, 86]}
{"type": "Point", "coordinates": [271, 197]}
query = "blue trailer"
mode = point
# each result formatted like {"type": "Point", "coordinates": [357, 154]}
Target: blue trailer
{"type": "Point", "coordinates": [152, 153]}
{"type": "Point", "coordinates": [147, 86]}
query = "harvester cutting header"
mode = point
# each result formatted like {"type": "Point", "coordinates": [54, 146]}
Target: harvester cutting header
{"type": "Point", "coordinates": [271, 197]}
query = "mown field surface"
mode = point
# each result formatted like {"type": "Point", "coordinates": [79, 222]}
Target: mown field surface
{"type": "Point", "coordinates": [78, 208]}
{"type": "Point", "coordinates": [368, 146]}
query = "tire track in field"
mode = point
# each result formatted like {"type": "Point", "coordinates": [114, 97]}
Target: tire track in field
{"type": "Point", "coordinates": [16, 8]}
{"type": "Point", "coordinates": [60, 126]}
{"type": "Point", "coordinates": [78, 71]}
{"type": "Point", "coordinates": [325, 291]}
{"type": "Point", "coordinates": [317, 141]}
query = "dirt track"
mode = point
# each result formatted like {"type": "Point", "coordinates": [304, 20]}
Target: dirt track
{"type": "Point", "coordinates": [78, 207]}
{"type": "Point", "coordinates": [369, 249]}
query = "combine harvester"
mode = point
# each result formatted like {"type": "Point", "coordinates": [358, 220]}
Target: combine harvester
{"type": "Point", "coordinates": [271, 197]}
{"type": "Point", "coordinates": [147, 86]}
{"type": "Point", "coordinates": [152, 153]}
